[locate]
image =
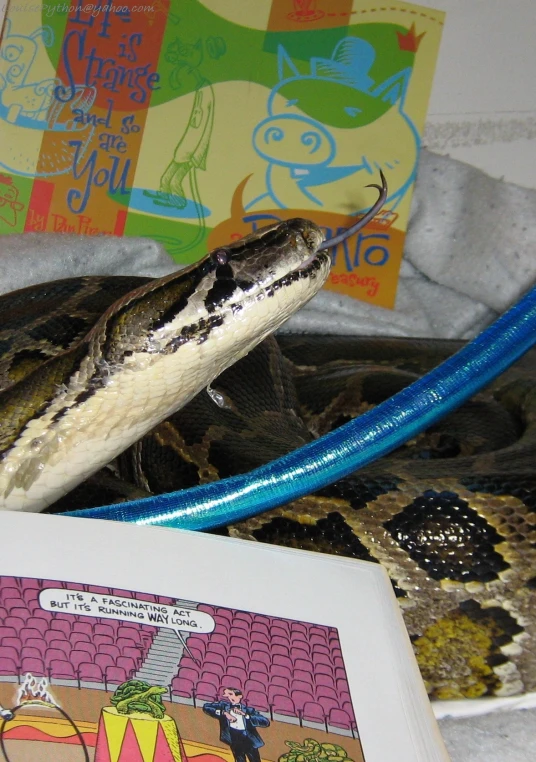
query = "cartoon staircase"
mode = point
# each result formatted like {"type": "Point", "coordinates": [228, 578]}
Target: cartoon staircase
{"type": "Point", "coordinates": [160, 665]}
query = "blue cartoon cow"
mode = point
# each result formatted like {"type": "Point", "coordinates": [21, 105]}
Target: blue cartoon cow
{"type": "Point", "coordinates": [336, 109]}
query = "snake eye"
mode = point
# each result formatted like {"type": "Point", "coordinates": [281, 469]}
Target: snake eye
{"type": "Point", "coordinates": [220, 257]}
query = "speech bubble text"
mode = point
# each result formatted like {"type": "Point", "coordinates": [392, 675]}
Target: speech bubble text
{"type": "Point", "coordinates": [178, 618]}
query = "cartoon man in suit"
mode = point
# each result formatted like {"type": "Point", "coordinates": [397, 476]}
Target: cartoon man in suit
{"type": "Point", "coordinates": [238, 725]}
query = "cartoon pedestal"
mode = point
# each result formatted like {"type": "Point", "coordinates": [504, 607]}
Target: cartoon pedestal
{"type": "Point", "coordinates": [136, 737]}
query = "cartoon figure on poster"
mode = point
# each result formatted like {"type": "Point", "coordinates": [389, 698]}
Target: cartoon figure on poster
{"type": "Point", "coordinates": [336, 105]}
{"type": "Point", "coordinates": [28, 106]}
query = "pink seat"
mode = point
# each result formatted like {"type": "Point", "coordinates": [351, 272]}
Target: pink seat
{"type": "Point", "coordinates": [240, 652]}
{"type": "Point", "coordinates": [239, 629]}
{"type": "Point", "coordinates": [62, 669]}
{"type": "Point", "coordinates": [81, 645]}
{"type": "Point", "coordinates": [257, 665]}
{"type": "Point", "coordinates": [276, 690]}
{"type": "Point", "coordinates": [214, 658]}
{"type": "Point", "coordinates": [12, 643]}
{"type": "Point", "coordinates": [108, 649]}
{"type": "Point", "coordinates": [284, 705]}
{"type": "Point", "coordinates": [8, 666]}
{"type": "Point", "coordinates": [7, 632]}
{"type": "Point", "coordinates": [62, 645]}
{"type": "Point", "coordinates": [302, 677]}
{"type": "Point", "coordinates": [14, 621]}
{"type": "Point", "coordinates": [260, 627]}
{"type": "Point", "coordinates": [9, 591]}
{"type": "Point", "coordinates": [8, 652]}
{"type": "Point", "coordinates": [188, 674]}
{"type": "Point", "coordinates": [100, 639]}
{"type": "Point", "coordinates": [300, 698]}
{"type": "Point", "coordinates": [29, 632]}
{"type": "Point", "coordinates": [258, 700]}
{"type": "Point", "coordinates": [37, 623]}
{"type": "Point", "coordinates": [235, 673]}
{"type": "Point", "coordinates": [127, 663]}
{"type": "Point", "coordinates": [327, 704]}
{"type": "Point", "coordinates": [134, 653]}
{"type": "Point", "coordinates": [129, 632]}
{"type": "Point", "coordinates": [84, 627]}
{"type": "Point", "coordinates": [80, 637]}
{"type": "Point", "coordinates": [327, 680]}
{"type": "Point", "coordinates": [280, 680]}
{"type": "Point", "coordinates": [12, 604]}
{"type": "Point", "coordinates": [322, 669]}
{"type": "Point", "coordinates": [30, 594]}
{"type": "Point", "coordinates": [301, 685]}
{"type": "Point", "coordinates": [259, 677]}
{"type": "Point", "coordinates": [104, 629]}
{"type": "Point", "coordinates": [79, 657]}
{"type": "Point", "coordinates": [61, 624]}
{"type": "Point", "coordinates": [40, 614]}
{"type": "Point", "coordinates": [279, 671]}
{"type": "Point", "coordinates": [33, 665]}
{"type": "Point", "coordinates": [149, 597]}
{"type": "Point", "coordinates": [98, 589]}
{"type": "Point", "coordinates": [298, 653]}
{"type": "Point", "coordinates": [236, 661]}
{"type": "Point", "coordinates": [212, 648]}
{"type": "Point", "coordinates": [327, 692]}
{"type": "Point", "coordinates": [282, 661]}
{"type": "Point", "coordinates": [338, 718]}
{"type": "Point", "coordinates": [210, 677]}
{"type": "Point", "coordinates": [278, 650]}
{"type": "Point", "coordinates": [240, 643]}
{"type": "Point", "coordinates": [51, 635]}
{"type": "Point", "coordinates": [263, 656]}
{"type": "Point", "coordinates": [298, 627]}
{"type": "Point", "coordinates": [304, 664]}
{"type": "Point", "coordinates": [182, 687]}
{"type": "Point", "coordinates": [104, 661]}
{"type": "Point", "coordinates": [206, 608]}
{"type": "Point", "coordinates": [325, 650]}
{"type": "Point", "coordinates": [125, 643]}
{"type": "Point", "coordinates": [226, 614]}
{"type": "Point", "coordinates": [90, 673]}
{"type": "Point", "coordinates": [253, 685]}
{"type": "Point", "coordinates": [115, 675]}
{"type": "Point", "coordinates": [205, 691]}
{"type": "Point", "coordinates": [29, 652]}
{"type": "Point", "coordinates": [243, 616]}
{"type": "Point", "coordinates": [313, 712]}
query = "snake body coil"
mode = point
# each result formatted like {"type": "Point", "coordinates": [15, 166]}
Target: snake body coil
{"type": "Point", "coordinates": [89, 366]}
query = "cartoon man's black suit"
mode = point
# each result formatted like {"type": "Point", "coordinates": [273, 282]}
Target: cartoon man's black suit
{"type": "Point", "coordinates": [238, 725]}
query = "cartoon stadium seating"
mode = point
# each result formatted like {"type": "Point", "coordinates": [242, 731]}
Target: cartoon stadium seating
{"type": "Point", "coordinates": [291, 671]}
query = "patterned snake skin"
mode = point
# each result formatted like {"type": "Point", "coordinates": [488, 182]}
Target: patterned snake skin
{"type": "Point", "coordinates": [451, 516]}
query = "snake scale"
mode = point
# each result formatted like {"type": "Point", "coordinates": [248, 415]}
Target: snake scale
{"type": "Point", "coordinates": [451, 515]}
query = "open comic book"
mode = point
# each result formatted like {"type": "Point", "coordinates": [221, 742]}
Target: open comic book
{"type": "Point", "coordinates": [122, 643]}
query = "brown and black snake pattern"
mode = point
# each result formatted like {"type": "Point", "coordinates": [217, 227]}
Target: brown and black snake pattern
{"type": "Point", "coordinates": [451, 516]}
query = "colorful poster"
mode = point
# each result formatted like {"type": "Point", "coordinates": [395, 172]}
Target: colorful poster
{"type": "Point", "coordinates": [193, 122]}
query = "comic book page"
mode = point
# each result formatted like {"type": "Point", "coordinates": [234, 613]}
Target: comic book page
{"type": "Point", "coordinates": [130, 644]}
{"type": "Point", "coordinates": [194, 122]}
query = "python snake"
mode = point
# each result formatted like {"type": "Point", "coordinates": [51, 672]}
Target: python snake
{"type": "Point", "coordinates": [451, 516]}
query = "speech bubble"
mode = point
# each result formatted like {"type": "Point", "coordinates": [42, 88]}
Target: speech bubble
{"type": "Point", "coordinates": [178, 618]}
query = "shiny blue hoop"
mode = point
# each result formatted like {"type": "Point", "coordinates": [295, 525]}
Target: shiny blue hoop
{"type": "Point", "coordinates": [350, 447]}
